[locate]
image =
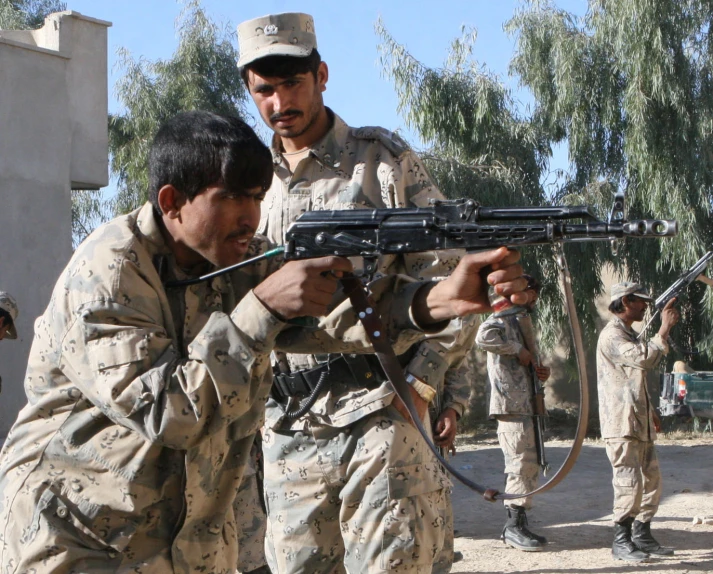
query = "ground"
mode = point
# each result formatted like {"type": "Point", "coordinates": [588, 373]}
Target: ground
{"type": "Point", "coordinates": [575, 515]}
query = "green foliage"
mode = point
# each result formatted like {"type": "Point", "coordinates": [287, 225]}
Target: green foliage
{"type": "Point", "coordinates": [27, 14]}
{"type": "Point", "coordinates": [202, 74]}
{"type": "Point", "coordinates": [629, 88]}
{"type": "Point", "coordinates": [480, 146]}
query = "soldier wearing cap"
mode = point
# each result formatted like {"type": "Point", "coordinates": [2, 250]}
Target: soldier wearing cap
{"type": "Point", "coordinates": [8, 316]}
{"type": "Point", "coordinates": [363, 491]}
{"type": "Point", "coordinates": [511, 367]}
{"type": "Point", "coordinates": [629, 421]}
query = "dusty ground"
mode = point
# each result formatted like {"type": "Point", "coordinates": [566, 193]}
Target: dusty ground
{"type": "Point", "coordinates": [576, 515]}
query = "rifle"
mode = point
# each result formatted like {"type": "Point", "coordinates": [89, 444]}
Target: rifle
{"type": "Point", "coordinates": [683, 281]}
{"type": "Point", "coordinates": [539, 412]}
{"type": "Point", "coordinates": [453, 224]}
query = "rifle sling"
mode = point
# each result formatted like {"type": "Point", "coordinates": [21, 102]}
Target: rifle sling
{"type": "Point", "coordinates": [393, 369]}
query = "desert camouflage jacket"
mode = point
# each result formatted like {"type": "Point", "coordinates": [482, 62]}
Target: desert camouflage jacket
{"type": "Point", "coordinates": [510, 382]}
{"type": "Point", "coordinates": [143, 404]}
{"type": "Point", "coordinates": [625, 409]}
{"type": "Point", "coordinates": [367, 168]}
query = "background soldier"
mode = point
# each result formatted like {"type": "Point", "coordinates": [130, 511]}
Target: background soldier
{"type": "Point", "coordinates": [8, 317]}
{"type": "Point", "coordinates": [629, 421]}
{"type": "Point", "coordinates": [342, 456]}
{"type": "Point", "coordinates": [510, 370]}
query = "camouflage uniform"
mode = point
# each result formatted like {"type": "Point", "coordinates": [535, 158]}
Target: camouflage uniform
{"type": "Point", "coordinates": [143, 404]}
{"type": "Point", "coordinates": [626, 418]}
{"type": "Point", "coordinates": [250, 514]}
{"type": "Point", "coordinates": [511, 403]}
{"type": "Point", "coordinates": [352, 446]}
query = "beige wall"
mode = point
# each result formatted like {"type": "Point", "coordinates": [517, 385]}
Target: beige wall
{"type": "Point", "coordinates": [53, 137]}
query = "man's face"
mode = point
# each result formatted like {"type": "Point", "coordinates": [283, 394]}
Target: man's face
{"type": "Point", "coordinates": [289, 106]}
{"type": "Point", "coordinates": [4, 328]}
{"type": "Point", "coordinates": [636, 308]}
{"type": "Point", "coordinates": [218, 225]}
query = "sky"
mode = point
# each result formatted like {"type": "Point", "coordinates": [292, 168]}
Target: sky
{"type": "Point", "coordinates": [356, 90]}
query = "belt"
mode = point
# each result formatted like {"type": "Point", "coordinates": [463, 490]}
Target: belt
{"type": "Point", "coordinates": [356, 370]}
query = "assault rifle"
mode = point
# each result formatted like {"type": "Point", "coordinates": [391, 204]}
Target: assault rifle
{"type": "Point", "coordinates": [454, 224]}
{"type": "Point", "coordinates": [539, 412]}
{"type": "Point", "coordinates": [678, 286]}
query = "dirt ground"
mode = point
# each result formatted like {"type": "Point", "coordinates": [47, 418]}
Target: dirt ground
{"type": "Point", "coordinates": [575, 515]}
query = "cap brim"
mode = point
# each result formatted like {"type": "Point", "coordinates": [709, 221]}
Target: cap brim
{"type": "Point", "coordinates": [642, 296]}
{"type": "Point", "coordinates": [274, 50]}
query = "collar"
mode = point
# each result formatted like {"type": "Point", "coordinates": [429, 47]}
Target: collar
{"type": "Point", "coordinates": [329, 150]}
{"type": "Point", "coordinates": [623, 326]}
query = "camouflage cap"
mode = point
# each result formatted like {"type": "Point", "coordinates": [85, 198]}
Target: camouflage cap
{"type": "Point", "coordinates": [8, 303]}
{"type": "Point", "coordinates": [628, 288]}
{"type": "Point", "coordinates": [288, 34]}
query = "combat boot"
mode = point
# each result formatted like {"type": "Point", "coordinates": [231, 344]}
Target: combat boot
{"type": "Point", "coordinates": [623, 548]}
{"type": "Point", "coordinates": [642, 539]}
{"type": "Point", "coordinates": [516, 533]}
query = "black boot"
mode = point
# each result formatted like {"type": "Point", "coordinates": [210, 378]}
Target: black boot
{"type": "Point", "coordinates": [516, 533]}
{"type": "Point", "coordinates": [623, 548]}
{"type": "Point", "coordinates": [642, 539]}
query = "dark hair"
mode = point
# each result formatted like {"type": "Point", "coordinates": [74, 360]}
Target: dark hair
{"type": "Point", "coordinates": [283, 66]}
{"type": "Point", "coordinates": [6, 317]}
{"type": "Point", "coordinates": [196, 149]}
{"type": "Point", "coordinates": [532, 283]}
{"type": "Point", "coordinates": [617, 306]}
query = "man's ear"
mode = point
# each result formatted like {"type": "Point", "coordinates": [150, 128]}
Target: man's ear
{"type": "Point", "coordinates": [322, 76]}
{"type": "Point", "coordinates": [170, 201]}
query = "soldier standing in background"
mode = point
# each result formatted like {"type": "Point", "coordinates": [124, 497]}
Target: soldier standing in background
{"type": "Point", "coordinates": [365, 493]}
{"type": "Point", "coordinates": [8, 317]}
{"type": "Point", "coordinates": [629, 421]}
{"type": "Point", "coordinates": [510, 370]}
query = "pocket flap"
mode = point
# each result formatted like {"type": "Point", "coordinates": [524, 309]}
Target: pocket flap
{"type": "Point", "coordinates": [118, 350]}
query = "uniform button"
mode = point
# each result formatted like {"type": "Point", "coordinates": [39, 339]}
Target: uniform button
{"type": "Point", "coordinates": [62, 512]}
{"type": "Point", "coordinates": [76, 487]}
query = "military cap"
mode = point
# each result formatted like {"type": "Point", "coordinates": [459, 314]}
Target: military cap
{"type": "Point", "coordinates": [628, 288]}
{"type": "Point", "coordinates": [287, 34]}
{"type": "Point", "coordinates": [8, 303]}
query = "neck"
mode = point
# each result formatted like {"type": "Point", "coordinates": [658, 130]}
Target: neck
{"type": "Point", "coordinates": [186, 258]}
{"type": "Point", "coordinates": [626, 320]}
{"type": "Point", "coordinates": [315, 132]}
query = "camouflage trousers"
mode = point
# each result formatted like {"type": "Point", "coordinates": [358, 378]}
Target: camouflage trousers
{"type": "Point", "coordinates": [444, 560]}
{"type": "Point", "coordinates": [367, 498]}
{"type": "Point", "coordinates": [637, 478]}
{"type": "Point", "coordinates": [516, 435]}
{"type": "Point", "coordinates": [250, 517]}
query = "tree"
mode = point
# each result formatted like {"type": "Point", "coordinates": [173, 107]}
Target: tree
{"type": "Point", "coordinates": [480, 145]}
{"type": "Point", "coordinates": [27, 14]}
{"type": "Point", "coordinates": [202, 74]}
{"type": "Point", "coordinates": [629, 88]}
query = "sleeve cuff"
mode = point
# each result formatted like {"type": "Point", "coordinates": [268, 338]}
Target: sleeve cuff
{"type": "Point", "coordinates": [402, 311]}
{"type": "Point", "coordinates": [659, 342]}
{"type": "Point", "coordinates": [257, 322]}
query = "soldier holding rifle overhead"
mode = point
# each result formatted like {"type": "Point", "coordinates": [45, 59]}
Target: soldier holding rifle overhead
{"type": "Point", "coordinates": [515, 374]}
{"type": "Point", "coordinates": [629, 421]}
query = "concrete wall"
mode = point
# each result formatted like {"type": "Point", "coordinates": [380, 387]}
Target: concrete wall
{"type": "Point", "coordinates": [53, 137]}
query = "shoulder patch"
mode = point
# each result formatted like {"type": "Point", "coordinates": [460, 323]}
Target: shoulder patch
{"type": "Point", "coordinates": [390, 140]}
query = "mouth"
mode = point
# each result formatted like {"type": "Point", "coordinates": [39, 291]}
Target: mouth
{"type": "Point", "coordinates": [283, 120]}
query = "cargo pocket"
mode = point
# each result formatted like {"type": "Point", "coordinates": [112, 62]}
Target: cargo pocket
{"type": "Point", "coordinates": [78, 524]}
{"type": "Point", "coordinates": [414, 525]}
